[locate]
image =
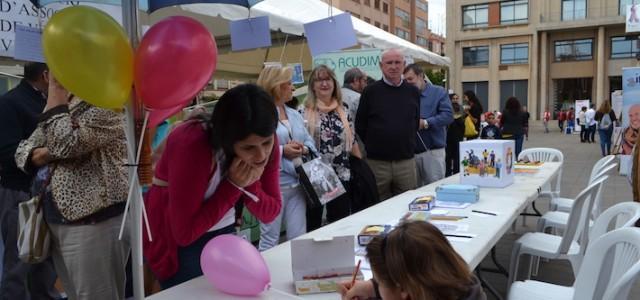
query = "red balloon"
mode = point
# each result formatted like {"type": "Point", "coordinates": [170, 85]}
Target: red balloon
{"type": "Point", "coordinates": [175, 60]}
{"type": "Point", "coordinates": [156, 116]}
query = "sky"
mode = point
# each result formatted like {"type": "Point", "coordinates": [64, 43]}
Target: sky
{"type": "Point", "coordinates": [437, 16]}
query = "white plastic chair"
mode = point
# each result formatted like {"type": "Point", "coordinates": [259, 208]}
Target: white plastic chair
{"type": "Point", "coordinates": [602, 276]}
{"type": "Point", "coordinates": [553, 246]}
{"type": "Point", "coordinates": [545, 155]}
{"type": "Point", "coordinates": [558, 219]}
{"type": "Point", "coordinates": [564, 204]}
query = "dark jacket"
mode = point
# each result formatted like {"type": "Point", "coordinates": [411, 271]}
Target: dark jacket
{"type": "Point", "coordinates": [19, 112]}
{"type": "Point", "coordinates": [512, 124]}
{"type": "Point", "coordinates": [455, 133]}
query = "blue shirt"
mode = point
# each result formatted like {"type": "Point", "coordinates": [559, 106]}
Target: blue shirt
{"type": "Point", "coordinates": [299, 133]}
{"type": "Point", "coordinates": [435, 107]}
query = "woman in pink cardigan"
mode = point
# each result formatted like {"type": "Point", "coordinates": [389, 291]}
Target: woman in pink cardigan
{"type": "Point", "coordinates": [206, 168]}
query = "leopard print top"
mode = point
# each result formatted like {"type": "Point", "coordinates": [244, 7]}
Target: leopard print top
{"type": "Point", "coordinates": [88, 146]}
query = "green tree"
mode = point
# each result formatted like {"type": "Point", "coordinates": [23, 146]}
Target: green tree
{"type": "Point", "coordinates": [436, 77]}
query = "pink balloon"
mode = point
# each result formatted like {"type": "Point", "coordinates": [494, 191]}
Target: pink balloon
{"type": "Point", "coordinates": [175, 60]}
{"type": "Point", "coordinates": [156, 116]}
{"type": "Point", "coordinates": [234, 266]}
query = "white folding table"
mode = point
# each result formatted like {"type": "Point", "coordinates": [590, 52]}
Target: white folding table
{"type": "Point", "coordinates": [506, 202]}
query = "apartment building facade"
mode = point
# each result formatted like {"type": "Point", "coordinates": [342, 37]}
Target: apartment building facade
{"type": "Point", "coordinates": [547, 53]}
{"type": "Point", "coordinates": [407, 19]}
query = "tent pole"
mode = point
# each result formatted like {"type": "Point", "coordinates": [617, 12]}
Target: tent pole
{"type": "Point", "coordinates": [130, 21]}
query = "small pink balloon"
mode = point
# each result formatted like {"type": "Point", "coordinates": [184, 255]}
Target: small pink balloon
{"type": "Point", "coordinates": [156, 116]}
{"type": "Point", "coordinates": [234, 266]}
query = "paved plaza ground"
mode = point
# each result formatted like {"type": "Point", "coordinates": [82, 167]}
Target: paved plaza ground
{"type": "Point", "coordinates": [579, 158]}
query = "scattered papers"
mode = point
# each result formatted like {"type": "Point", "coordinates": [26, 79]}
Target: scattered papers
{"type": "Point", "coordinates": [456, 205]}
{"type": "Point", "coordinates": [439, 212]}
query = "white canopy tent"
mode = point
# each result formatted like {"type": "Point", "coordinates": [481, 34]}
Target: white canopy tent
{"type": "Point", "coordinates": [287, 16]}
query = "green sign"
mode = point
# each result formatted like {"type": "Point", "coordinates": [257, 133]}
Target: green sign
{"type": "Point", "coordinates": [367, 60]}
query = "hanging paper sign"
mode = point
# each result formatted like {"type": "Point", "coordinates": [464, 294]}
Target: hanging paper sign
{"type": "Point", "coordinates": [330, 34]}
{"type": "Point", "coordinates": [250, 33]}
{"type": "Point", "coordinates": [633, 18]}
{"type": "Point", "coordinates": [28, 44]}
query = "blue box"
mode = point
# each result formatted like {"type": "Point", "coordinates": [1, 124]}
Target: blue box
{"type": "Point", "coordinates": [461, 193]}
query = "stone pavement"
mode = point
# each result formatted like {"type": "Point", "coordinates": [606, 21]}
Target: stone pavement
{"type": "Point", "coordinates": [579, 158]}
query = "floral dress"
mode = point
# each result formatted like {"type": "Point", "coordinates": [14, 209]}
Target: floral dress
{"type": "Point", "coordinates": [331, 141]}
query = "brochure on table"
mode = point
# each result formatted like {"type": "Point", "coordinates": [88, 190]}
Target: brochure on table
{"type": "Point", "coordinates": [319, 264]}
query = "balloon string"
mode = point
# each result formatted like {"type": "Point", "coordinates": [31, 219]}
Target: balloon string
{"type": "Point", "coordinates": [132, 185]}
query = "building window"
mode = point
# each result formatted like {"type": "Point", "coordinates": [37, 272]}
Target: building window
{"type": "Point", "coordinates": [514, 54]}
{"type": "Point", "coordinates": [421, 41]}
{"type": "Point", "coordinates": [402, 33]}
{"type": "Point", "coordinates": [622, 5]}
{"type": "Point", "coordinates": [624, 47]}
{"type": "Point", "coordinates": [356, 1]}
{"type": "Point", "coordinates": [514, 88]}
{"type": "Point", "coordinates": [367, 20]}
{"type": "Point", "coordinates": [574, 50]}
{"type": "Point", "coordinates": [424, 6]}
{"type": "Point", "coordinates": [385, 8]}
{"type": "Point", "coordinates": [574, 10]}
{"type": "Point", "coordinates": [404, 16]}
{"type": "Point", "coordinates": [421, 25]}
{"type": "Point", "coordinates": [474, 16]}
{"type": "Point", "coordinates": [385, 27]}
{"type": "Point", "coordinates": [481, 89]}
{"type": "Point", "coordinates": [377, 24]}
{"type": "Point", "coordinates": [376, 4]}
{"type": "Point", "coordinates": [475, 56]}
{"type": "Point", "coordinates": [355, 15]}
{"type": "Point", "coordinates": [514, 12]}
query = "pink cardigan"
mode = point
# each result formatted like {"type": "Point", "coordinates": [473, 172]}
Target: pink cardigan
{"type": "Point", "coordinates": [178, 215]}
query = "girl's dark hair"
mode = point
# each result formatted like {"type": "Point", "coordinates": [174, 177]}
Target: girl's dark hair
{"type": "Point", "coordinates": [512, 106]}
{"type": "Point", "coordinates": [473, 99]}
{"type": "Point", "coordinates": [241, 111]}
{"type": "Point", "coordinates": [417, 258]}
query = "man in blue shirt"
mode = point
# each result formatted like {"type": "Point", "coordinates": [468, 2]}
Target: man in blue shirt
{"type": "Point", "coordinates": [436, 114]}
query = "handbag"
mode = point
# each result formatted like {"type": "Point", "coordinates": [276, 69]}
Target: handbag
{"type": "Point", "coordinates": [34, 238]}
{"type": "Point", "coordinates": [469, 128]}
{"type": "Point", "coordinates": [319, 181]}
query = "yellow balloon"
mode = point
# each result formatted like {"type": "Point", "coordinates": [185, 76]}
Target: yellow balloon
{"type": "Point", "coordinates": [89, 53]}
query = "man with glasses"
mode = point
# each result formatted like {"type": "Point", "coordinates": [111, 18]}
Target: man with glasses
{"type": "Point", "coordinates": [387, 122]}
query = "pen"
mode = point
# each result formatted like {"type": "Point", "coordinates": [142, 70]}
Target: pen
{"type": "Point", "coordinates": [459, 236]}
{"type": "Point", "coordinates": [483, 212]}
{"type": "Point", "coordinates": [355, 273]}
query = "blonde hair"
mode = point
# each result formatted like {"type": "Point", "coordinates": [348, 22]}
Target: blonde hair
{"type": "Point", "coordinates": [271, 77]}
{"type": "Point", "coordinates": [418, 259]}
{"type": "Point", "coordinates": [605, 107]}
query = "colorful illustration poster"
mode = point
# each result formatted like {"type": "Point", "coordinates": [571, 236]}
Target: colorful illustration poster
{"type": "Point", "coordinates": [630, 117]}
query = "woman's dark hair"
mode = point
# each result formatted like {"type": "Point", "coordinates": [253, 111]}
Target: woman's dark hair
{"type": "Point", "coordinates": [456, 107]}
{"type": "Point", "coordinates": [293, 103]}
{"type": "Point", "coordinates": [241, 111]}
{"type": "Point", "coordinates": [512, 106]}
{"type": "Point", "coordinates": [473, 99]}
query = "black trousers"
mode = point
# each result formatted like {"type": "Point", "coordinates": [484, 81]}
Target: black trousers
{"type": "Point", "coordinates": [592, 133]}
{"type": "Point", "coordinates": [452, 159]}
{"type": "Point", "coordinates": [336, 209]}
{"type": "Point", "coordinates": [584, 133]}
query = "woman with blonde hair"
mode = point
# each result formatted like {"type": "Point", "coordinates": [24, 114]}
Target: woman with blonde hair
{"type": "Point", "coordinates": [294, 141]}
{"type": "Point", "coordinates": [415, 262]}
{"type": "Point", "coordinates": [330, 125]}
{"type": "Point", "coordinates": [605, 117]}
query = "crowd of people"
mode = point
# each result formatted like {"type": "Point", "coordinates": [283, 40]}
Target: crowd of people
{"type": "Point", "coordinates": [402, 130]}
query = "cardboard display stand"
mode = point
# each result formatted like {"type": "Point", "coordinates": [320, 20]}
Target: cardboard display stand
{"type": "Point", "coordinates": [487, 163]}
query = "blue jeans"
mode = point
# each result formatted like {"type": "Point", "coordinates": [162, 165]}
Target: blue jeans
{"type": "Point", "coordinates": [605, 140]}
{"type": "Point", "coordinates": [519, 140]}
{"type": "Point", "coordinates": [189, 258]}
